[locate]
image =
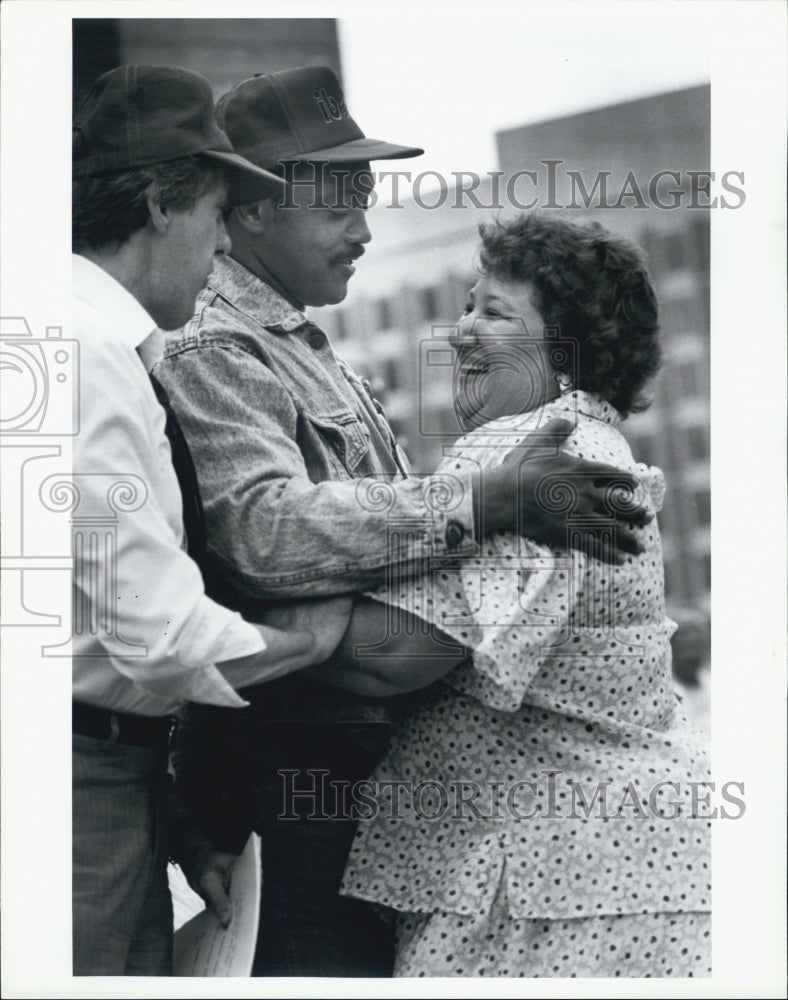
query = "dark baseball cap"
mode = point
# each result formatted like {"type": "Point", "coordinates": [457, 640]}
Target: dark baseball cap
{"type": "Point", "coordinates": [136, 116]}
{"type": "Point", "coordinates": [298, 114]}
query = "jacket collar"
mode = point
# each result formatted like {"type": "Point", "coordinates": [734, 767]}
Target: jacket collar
{"type": "Point", "coordinates": [252, 296]}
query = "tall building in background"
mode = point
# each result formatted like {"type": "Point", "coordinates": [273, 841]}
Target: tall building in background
{"type": "Point", "coordinates": [225, 50]}
{"type": "Point", "coordinates": [411, 286]}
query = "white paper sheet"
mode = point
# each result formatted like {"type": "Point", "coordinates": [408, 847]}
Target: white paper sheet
{"type": "Point", "coordinates": [203, 948]}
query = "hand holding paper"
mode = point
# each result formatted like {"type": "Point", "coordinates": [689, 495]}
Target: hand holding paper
{"type": "Point", "coordinates": [206, 946]}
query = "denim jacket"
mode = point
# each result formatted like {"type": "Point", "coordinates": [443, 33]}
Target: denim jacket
{"type": "Point", "coordinates": [297, 499]}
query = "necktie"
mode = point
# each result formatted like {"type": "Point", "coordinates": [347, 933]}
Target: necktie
{"type": "Point", "coordinates": [193, 517]}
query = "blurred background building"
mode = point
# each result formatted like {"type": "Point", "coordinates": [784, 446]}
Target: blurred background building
{"type": "Point", "coordinates": [412, 283]}
{"type": "Point", "coordinates": [225, 50]}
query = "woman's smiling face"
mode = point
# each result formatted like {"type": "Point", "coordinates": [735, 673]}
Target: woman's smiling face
{"type": "Point", "coordinates": [503, 364]}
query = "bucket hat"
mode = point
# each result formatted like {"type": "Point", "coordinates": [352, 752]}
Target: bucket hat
{"type": "Point", "coordinates": [136, 116]}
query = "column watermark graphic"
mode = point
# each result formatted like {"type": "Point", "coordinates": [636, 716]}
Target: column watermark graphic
{"type": "Point", "coordinates": [94, 502]}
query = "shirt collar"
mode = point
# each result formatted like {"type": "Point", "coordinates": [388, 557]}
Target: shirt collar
{"type": "Point", "coordinates": [569, 405]}
{"type": "Point", "coordinates": [587, 403]}
{"type": "Point", "coordinates": [253, 296]}
{"type": "Point", "coordinates": [95, 286]}
{"type": "Point", "coordinates": [151, 349]}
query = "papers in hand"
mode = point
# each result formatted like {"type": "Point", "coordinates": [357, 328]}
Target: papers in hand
{"type": "Point", "coordinates": [203, 948]}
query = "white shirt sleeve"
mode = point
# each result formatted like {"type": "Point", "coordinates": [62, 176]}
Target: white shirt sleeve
{"type": "Point", "coordinates": [163, 634]}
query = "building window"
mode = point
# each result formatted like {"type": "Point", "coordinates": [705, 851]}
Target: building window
{"type": "Point", "coordinates": [697, 443]}
{"type": "Point", "coordinates": [674, 580]}
{"type": "Point", "coordinates": [701, 502]}
{"type": "Point", "coordinates": [682, 312]}
{"type": "Point", "coordinates": [701, 238]}
{"type": "Point", "coordinates": [705, 561]}
{"type": "Point", "coordinates": [340, 321]}
{"type": "Point", "coordinates": [643, 449]}
{"type": "Point", "coordinates": [391, 374]}
{"type": "Point", "coordinates": [429, 303]}
{"type": "Point", "coordinates": [690, 381]}
{"type": "Point", "coordinates": [384, 318]}
{"type": "Point", "coordinates": [675, 255]}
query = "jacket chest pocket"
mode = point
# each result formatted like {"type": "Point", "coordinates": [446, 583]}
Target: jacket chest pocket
{"type": "Point", "coordinates": [344, 435]}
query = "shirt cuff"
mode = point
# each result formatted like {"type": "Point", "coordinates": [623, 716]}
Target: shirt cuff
{"type": "Point", "coordinates": [217, 634]}
{"type": "Point", "coordinates": [209, 687]}
{"type": "Point", "coordinates": [451, 500]}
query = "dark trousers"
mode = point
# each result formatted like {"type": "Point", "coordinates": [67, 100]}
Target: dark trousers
{"type": "Point", "coordinates": [290, 781]}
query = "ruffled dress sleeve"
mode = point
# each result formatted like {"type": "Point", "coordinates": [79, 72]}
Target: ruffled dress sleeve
{"type": "Point", "coordinates": [514, 602]}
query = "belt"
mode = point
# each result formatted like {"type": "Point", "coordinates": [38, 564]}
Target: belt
{"type": "Point", "coordinates": [118, 727]}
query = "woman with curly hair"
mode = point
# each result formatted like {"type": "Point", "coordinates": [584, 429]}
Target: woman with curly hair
{"type": "Point", "coordinates": [539, 813]}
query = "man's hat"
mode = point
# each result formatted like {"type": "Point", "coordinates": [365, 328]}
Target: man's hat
{"type": "Point", "coordinates": [137, 116]}
{"type": "Point", "coordinates": [298, 114]}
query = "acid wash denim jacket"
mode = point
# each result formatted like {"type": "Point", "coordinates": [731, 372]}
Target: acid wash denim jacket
{"type": "Point", "coordinates": [297, 500]}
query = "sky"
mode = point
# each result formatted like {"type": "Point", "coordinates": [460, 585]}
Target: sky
{"type": "Point", "coordinates": [448, 76]}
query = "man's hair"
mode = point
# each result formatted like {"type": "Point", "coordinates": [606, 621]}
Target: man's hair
{"type": "Point", "coordinates": [595, 288]}
{"type": "Point", "coordinates": [108, 208]}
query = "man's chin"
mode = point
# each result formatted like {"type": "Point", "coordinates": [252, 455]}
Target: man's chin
{"type": "Point", "coordinates": [331, 297]}
{"type": "Point", "coordinates": [172, 321]}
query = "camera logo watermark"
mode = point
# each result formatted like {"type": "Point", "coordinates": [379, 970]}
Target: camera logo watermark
{"type": "Point", "coordinates": [525, 362]}
{"type": "Point", "coordinates": [40, 388]}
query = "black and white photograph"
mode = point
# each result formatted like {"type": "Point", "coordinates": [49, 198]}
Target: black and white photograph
{"type": "Point", "coordinates": [393, 487]}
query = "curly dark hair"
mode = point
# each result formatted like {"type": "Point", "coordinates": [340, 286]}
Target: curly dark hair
{"type": "Point", "coordinates": [595, 288]}
{"type": "Point", "coordinates": [108, 208]}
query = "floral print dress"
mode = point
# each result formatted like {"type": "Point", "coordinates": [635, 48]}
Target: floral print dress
{"type": "Point", "coordinates": [542, 813]}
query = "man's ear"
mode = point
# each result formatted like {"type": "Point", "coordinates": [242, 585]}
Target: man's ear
{"type": "Point", "coordinates": [255, 216]}
{"type": "Point", "coordinates": [160, 217]}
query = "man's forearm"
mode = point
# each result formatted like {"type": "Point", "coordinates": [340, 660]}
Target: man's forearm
{"type": "Point", "coordinates": [285, 651]}
{"type": "Point", "coordinates": [387, 651]}
{"type": "Point", "coordinates": [321, 539]}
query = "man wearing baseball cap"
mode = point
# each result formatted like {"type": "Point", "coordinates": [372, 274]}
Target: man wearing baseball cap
{"type": "Point", "coordinates": [289, 448]}
{"type": "Point", "coordinates": [152, 173]}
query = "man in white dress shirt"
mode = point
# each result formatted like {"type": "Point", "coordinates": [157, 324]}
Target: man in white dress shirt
{"type": "Point", "coordinates": [152, 174]}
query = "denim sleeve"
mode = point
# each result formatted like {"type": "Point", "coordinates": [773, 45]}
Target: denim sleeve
{"type": "Point", "coordinates": [273, 530]}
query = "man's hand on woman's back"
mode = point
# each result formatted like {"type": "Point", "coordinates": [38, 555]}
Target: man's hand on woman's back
{"type": "Point", "coordinates": [507, 498]}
